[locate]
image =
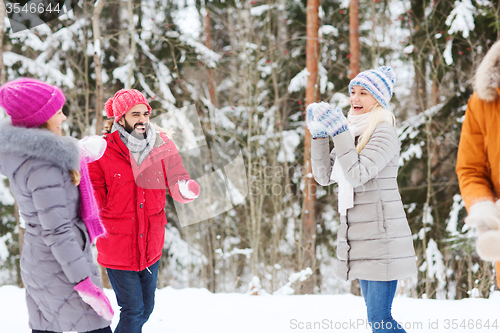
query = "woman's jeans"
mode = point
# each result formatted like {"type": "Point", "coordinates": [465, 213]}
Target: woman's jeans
{"type": "Point", "coordinates": [378, 297]}
{"type": "Point", "coordinates": [135, 294]}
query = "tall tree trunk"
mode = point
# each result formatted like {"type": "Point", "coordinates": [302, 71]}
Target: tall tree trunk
{"type": "Point", "coordinates": [20, 241]}
{"type": "Point", "coordinates": [312, 95]}
{"type": "Point", "coordinates": [211, 81]}
{"type": "Point", "coordinates": [277, 49]}
{"type": "Point", "coordinates": [86, 72]}
{"type": "Point", "coordinates": [354, 36]}
{"type": "Point", "coordinates": [497, 272]}
{"type": "Point", "coordinates": [99, 93]}
{"type": "Point", "coordinates": [213, 262]}
{"type": "Point", "coordinates": [354, 65]}
{"type": "Point", "coordinates": [2, 34]}
{"type": "Point", "coordinates": [131, 29]}
{"type": "Point", "coordinates": [99, 88]}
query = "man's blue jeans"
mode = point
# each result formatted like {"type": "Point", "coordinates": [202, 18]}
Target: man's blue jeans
{"type": "Point", "coordinates": [378, 297]}
{"type": "Point", "coordinates": [135, 294]}
{"type": "Point", "coordinates": [101, 330]}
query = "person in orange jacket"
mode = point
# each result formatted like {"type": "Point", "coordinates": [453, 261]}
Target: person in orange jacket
{"type": "Point", "coordinates": [478, 161]}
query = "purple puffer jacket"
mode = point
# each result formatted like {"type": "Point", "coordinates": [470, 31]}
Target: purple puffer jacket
{"type": "Point", "coordinates": [56, 252]}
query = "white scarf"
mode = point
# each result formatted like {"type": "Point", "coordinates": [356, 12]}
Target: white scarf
{"type": "Point", "coordinates": [357, 125]}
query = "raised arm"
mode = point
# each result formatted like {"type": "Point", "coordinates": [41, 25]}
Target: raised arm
{"type": "Point", "coordinates": [322, 161]}
{"type": "Point", "coordinates": [181, 187]}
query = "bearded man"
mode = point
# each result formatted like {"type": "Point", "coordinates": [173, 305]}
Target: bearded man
{"type": "Point", "coordinates": [130, 183]}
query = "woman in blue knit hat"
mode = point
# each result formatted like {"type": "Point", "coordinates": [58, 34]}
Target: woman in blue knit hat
{"type": "Point", "coordinates": [374, 239]}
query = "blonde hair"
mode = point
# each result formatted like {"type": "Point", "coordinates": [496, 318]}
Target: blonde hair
{"type": "Point", "coordinates": [75, 177]}
{"type": "Point", "coordinates": [377, 115]}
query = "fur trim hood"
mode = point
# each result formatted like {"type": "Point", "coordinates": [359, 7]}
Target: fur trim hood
{"type": "Point", "coordinates": [487, 79]}
{"type": "Point", "coordinates": [40, 144]}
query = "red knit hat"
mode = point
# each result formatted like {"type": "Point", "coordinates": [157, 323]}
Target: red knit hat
{"type": "Point", "coordinates": [29, 102]}
{"type": "Point", "coordinates": [124, 100]}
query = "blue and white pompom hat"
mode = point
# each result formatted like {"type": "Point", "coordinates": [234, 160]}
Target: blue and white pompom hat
{"type": "Point", "coordinates": [379, 83]}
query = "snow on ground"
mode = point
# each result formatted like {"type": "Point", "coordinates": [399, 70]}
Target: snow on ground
{"type": "Point", "coordinates": [198, 310]}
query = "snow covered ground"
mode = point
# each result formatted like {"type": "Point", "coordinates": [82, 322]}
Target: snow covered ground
{"type": "Point", "coordinates": [198, 310]}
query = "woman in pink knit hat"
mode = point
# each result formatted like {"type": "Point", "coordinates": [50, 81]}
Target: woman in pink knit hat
{"type": "Point", "coordinates": [56, 201]}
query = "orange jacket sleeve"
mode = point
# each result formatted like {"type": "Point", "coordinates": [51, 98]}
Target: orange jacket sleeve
{"type": "Point", "coordinates": [472, 162]}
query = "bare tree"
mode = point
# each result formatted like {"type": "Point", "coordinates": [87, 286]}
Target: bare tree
{"type": "Point", "coordinates": [2, 81]}
{"type": "Point", "coordinates": [99, 92]}
{"type": "Point", "coordinates": [131, 30]}
{"type": "Point", "coordinates": [312, 95]}
{"type": "Point", "coordinates": [211, 80]}
{"type": "Point", "coordinates": [2, 34]}
{"type": "Point", "coordinates": [354, 66]}
{"type": "Point", "coordinates": [354, 36]}
{"type": "Point", "coordinates": [86, 72]}
{"type": "Point", "coordinates": [98, 65]}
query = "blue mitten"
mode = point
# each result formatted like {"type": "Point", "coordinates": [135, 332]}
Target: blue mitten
{"type": "Point", "coordinates": [317, 129]}
{"type": "Point", "coordinates": [334, 120]}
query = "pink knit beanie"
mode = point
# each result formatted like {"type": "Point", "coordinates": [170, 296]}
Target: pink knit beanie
{"type": "Point", "coordinates": [29, 102]}
{"type": "Point", "coordinates": [124, 100]}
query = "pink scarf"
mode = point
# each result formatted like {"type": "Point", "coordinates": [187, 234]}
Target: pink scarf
{"type": "Point", "coordinates": [88, 210]}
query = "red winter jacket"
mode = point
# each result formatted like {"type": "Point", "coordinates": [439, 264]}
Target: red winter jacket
{"type": "Point", "coordinates": [133, 210]}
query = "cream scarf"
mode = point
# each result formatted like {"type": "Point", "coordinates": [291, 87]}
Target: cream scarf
{"type": "Point", "coordinates": [357, 125]}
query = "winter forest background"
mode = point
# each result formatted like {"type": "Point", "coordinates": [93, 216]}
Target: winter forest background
{"type": "Point", "coordinates": [242, 64]}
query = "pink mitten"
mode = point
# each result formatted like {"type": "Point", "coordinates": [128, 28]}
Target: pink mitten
{"type": "Point", "coordinates": [185, 191]}
{"type": "Point", "coordinates": [95, 297]}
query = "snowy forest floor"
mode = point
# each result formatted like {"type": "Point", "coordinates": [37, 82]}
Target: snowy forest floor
{"type": "Point", "coordinates": [198, 310]}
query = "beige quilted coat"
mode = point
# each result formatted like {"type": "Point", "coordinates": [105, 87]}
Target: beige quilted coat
{"type": "Point", "coordinates": [374, 239]}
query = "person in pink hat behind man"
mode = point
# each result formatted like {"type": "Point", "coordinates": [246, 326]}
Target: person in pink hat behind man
{"type": "Point", "coordinates": [131, 181]}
